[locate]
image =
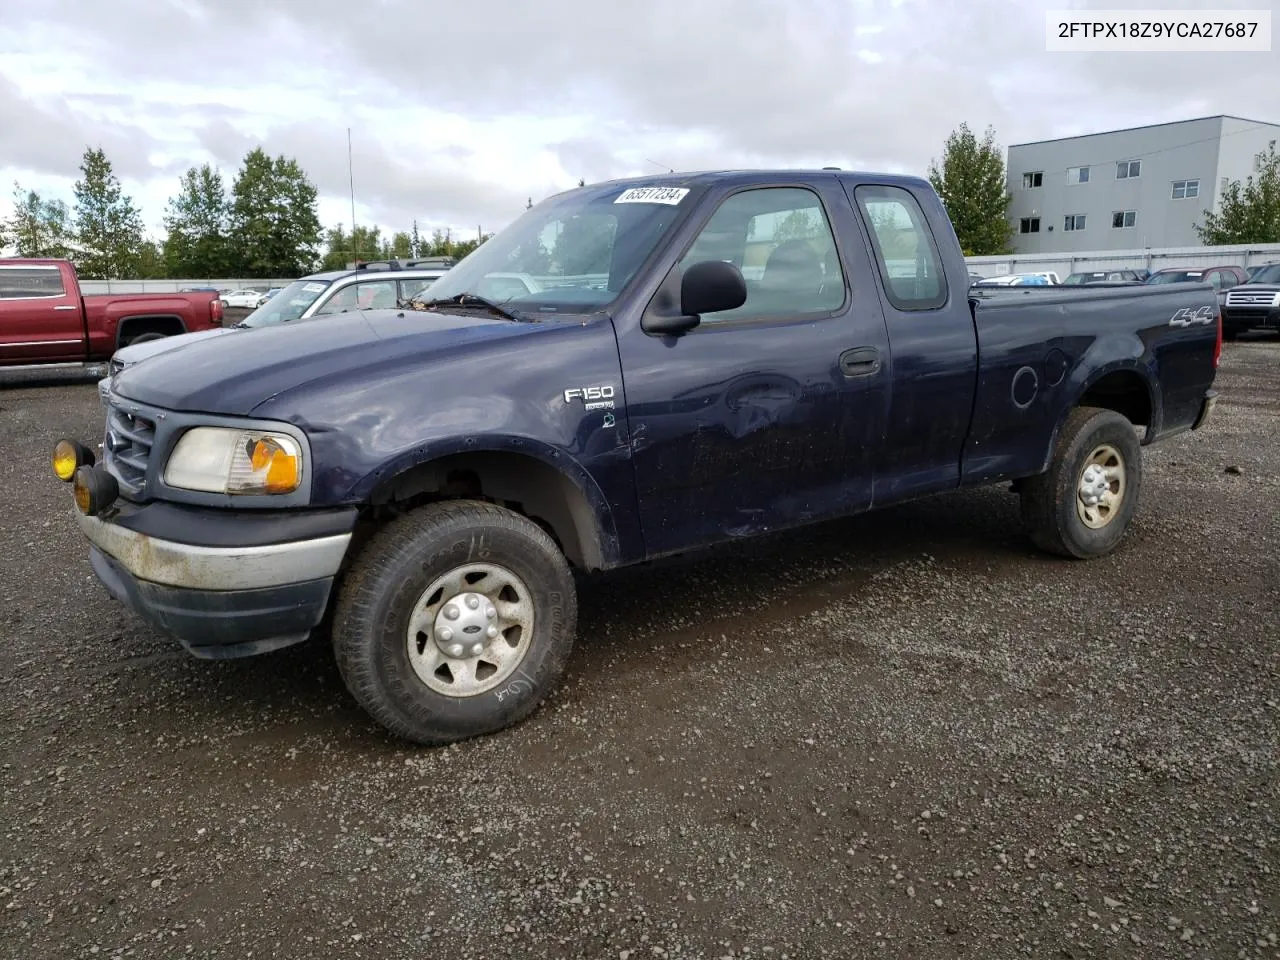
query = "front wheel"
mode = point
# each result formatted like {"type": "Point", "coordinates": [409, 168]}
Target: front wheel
{"type": "Point", "coordinates": [1082, 506]}
{"type": "Point", "coordinates": [456, 620]}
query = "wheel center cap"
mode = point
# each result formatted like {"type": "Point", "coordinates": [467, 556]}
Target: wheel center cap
{"type": "Point", "coordinates": [465, 625]}
{"type": "Point", "coordinates": [1093, 485]}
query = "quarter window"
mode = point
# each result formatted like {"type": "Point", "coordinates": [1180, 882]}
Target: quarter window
{"type": "Point", "coordinates": [905, 251]}
{"type": "Point", "coordinates": [780, 239]}
{"type": "Point", "coordinates": [1128, 169]}
{"type": "Point", "coordinates": [30, 283]}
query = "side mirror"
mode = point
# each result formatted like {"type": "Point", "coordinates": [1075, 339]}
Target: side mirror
{"type": "Point", "coordinates": [706, 287]}
{"type": "Point", "coordinates": [711, 286]}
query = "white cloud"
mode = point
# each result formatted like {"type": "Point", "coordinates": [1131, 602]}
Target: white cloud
{"type": "Point", "coordinates": [462, 112]}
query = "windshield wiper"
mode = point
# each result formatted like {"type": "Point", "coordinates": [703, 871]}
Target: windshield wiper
{"type": "Point", "coordinates": [463, 300]}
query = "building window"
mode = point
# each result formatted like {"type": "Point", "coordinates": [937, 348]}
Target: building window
{"type": "Point", "coordinates": [1029, 225]}
{"type": "Point", "coordinates": [1124, 218]}
{"type": "Point", "coordinates": [1128, 169]}
{"type": "Point", "coordinates": [1073, 222]}
{"type": "Point", "coordinates": [1077, 174]}
{"type": "Point", "coordinates": [1032, 180]}
{"type": "Point", "coordinates": [1186, 189]}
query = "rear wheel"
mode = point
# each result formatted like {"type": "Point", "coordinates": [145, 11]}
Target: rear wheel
{"type": "Point", "coordinates": [143, 338]}
{"type": "Point", "coordinates": [455, 621]}
{"type": "Point", "coordinates": [1082, 506]}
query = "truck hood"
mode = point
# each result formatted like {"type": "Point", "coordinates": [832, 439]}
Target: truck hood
{"type": "Point", "coordinates": [141, 351]}
{"type": "Point", "coordinates": [231, 375]}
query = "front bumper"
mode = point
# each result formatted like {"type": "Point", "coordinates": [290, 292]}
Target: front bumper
{"type": "Point", "coordinates": [225, 583]}
{"type": "Point", "coordinates": [1243, 319]}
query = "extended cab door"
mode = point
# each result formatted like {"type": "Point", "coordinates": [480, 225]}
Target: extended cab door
{"type": "Point", "coordinates": [41, 316]}
{"type": "Point", "coordinates": [759, 418]}
{"type": "Point", "coordinates": [920, 275]}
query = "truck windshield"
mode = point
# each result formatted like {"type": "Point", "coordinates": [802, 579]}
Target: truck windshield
{"type": "Point", "coordinates": [288, 304]}
{"type": "Point", "coordinates": [570, 254]}
{"type": "Point", "coordinates": [1268, 274]}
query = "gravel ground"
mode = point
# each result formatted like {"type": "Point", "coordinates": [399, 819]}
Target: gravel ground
{"type": "Point", "coordinates": [905, 734]}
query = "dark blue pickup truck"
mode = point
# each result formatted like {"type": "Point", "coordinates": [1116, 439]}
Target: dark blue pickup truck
{"type": "Point", "coordinates": [684, 360]}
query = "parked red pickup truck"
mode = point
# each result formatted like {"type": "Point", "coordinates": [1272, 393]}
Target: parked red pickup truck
{"type": "Point", "coordinates": [46, 320]}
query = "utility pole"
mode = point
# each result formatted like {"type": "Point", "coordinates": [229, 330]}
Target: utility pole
{"type": "Point", "coordinates": [351, 176]}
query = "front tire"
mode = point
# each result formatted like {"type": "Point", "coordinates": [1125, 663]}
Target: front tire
{"type": "Point", "coordinates": [455, 621]}
{"type": "Point", "coordinates": [1082, 506]}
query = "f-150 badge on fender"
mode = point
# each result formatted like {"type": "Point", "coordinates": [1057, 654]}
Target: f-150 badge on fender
{"type": "Point", "coordinates": [1187, 317]}
{"type": "Point", "coordinates": [593, 398]}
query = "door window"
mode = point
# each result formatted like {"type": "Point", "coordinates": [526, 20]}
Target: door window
{"type": "Point", "coordinates": [780, 239]}
{"type": "Point", "coordinates": [370, 295]}
{"type": "Point", "coordinates": [31, 283]}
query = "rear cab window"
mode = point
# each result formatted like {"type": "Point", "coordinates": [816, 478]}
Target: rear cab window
{"type": "Point", "coordinates": [904, 248]}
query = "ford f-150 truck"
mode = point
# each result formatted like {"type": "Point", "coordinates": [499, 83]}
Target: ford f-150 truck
{"type": "Point", "coordinates": [46, 320]}
{"type": "Point", "coordinates": [761, 350]}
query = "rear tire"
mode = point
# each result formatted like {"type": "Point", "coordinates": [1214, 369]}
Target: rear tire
{"type": "Point", "coordinates": [427, 591]}
{"type": "Point", "coordinates": [1082, 506]}
{"type": "Point", "coordinates": [143, 338]}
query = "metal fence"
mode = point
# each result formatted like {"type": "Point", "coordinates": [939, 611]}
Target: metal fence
{"type": "Point", "coordinates": [1245, 255]}
{"type": "Point", "coordinates": [174, 286]}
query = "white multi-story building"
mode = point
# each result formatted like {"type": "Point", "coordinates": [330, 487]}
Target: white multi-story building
{"type": "Point", "coordinates": [1127, 189]}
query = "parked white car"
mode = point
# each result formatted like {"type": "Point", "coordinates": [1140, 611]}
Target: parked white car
{"type": "Point", "coordinates": [252, 299]}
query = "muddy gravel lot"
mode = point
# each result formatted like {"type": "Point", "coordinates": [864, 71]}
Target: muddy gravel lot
{"type": "Point", "coordinates": [905, 734]}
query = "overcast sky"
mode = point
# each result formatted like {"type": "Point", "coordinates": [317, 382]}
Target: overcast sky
{"type": "Point", "coordinates": [462, 111]}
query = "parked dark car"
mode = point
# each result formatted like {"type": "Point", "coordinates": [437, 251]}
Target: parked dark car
{"type": "Point", "coordinates": [1253, 271]}
{"type": "Point", "coordinates": [423, 480]}
{"type": "Point", "coordinates": [1253, 305]}
{"type": "Point", "coordinates": [1220, 278]}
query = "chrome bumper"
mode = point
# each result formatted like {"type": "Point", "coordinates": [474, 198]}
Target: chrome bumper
{"type": "Point", "coordinates": [215, 568]}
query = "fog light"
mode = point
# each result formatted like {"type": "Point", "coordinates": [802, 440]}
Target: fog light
{"type": "Point", "coordinates": [94, 490]}
{"type": "Point", "coordinates": [68, 456]}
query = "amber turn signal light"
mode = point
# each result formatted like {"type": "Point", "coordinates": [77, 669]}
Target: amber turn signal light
{"type": "Point", "coordinates": [69, 456]}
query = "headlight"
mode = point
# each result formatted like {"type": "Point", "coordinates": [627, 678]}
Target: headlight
{"type": "Point", "coordinates": [221, 460]}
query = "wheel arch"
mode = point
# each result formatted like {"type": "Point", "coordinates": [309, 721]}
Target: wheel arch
{"type": "Point", "coordinates": [165, 324]}
{"type": "Point", "coordinates": [537, 481]}
{"type": "Point", "coordinates": [1125, 387]}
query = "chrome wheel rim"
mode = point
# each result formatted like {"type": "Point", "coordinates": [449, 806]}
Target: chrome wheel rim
{"type": "Point", "coordinates": [470, 629]}
{"type": "Point", "coordinates": [1101, 487]}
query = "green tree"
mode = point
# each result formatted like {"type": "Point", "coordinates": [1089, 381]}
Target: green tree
{"type": "Point", "coordinates": [108, 226]}
{"type": "Point", "coordinates": [971, 183]}
{"type": "Point", "coordinates": [415, 242]}
{"type": "Point", "coordinates": [584, 245]}
{"type": "Point", "coordinates": [151, 261]}
{"type": "Point", "coordinates": [275, 227]}
{"type": "Point", "coordinates": [39, 227]}
{"type": "Point", "coordinates": [197, 221]}
{"type": "Point", "coordinates": [796, 225]}
{"type": "Point", "coordinates": [400, 246]}
{"type": "Point", "coordinates": [1250, 211]}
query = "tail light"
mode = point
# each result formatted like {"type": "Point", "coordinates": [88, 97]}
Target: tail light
{"type": "Point", "coordinates": [215, 311]}
{"type": "Point", "coordinates": [1217, 347]}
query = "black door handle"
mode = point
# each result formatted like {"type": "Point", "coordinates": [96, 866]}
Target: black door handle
{"type": "Point", "coordinates": [860, 362]}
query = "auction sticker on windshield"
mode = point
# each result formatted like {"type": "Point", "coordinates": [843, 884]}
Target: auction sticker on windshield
{"type": "Point", "coordinates": [314, 287]}
{"type": "Point", "coordinates": [667, 195]}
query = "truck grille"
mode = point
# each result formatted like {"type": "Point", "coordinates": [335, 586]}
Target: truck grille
{"type": "Point", "coordinates": [1249, 298]}
{"type": "Point", "coordinates": [126, 449]}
